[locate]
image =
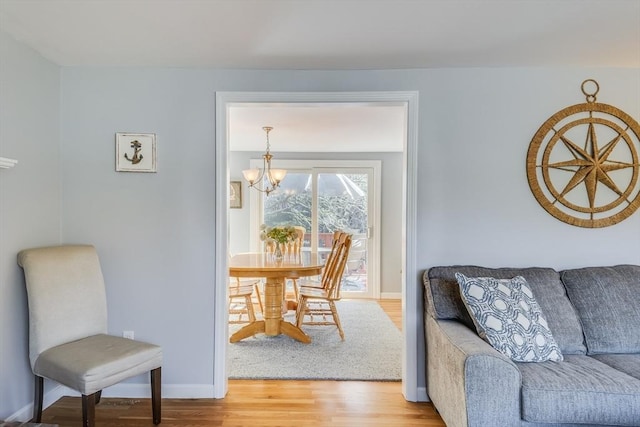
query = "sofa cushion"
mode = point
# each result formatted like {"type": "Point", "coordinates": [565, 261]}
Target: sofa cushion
{"type": "Point", "coordinates": [579, 390]}
{"type": "Point", "coordinates": [607, 302]}
{"type": "Point", "coordinates": [444, 294]}
{"type": "Point", "coordinates": [507, 316]}
{"type": "Point", "coordinates": [627, 363]}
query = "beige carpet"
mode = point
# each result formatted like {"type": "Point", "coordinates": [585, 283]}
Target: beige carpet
{"type": "Point", "coordinates": [371, 350]}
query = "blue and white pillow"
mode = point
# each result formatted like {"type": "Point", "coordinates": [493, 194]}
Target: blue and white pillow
{"type": "Point", "coordinates": [507, 316]}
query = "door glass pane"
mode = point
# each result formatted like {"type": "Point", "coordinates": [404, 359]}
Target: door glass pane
{"type": "Point", "coordinates": [343, 205]}
{"type": "Point", "coordinates": [290, 204]}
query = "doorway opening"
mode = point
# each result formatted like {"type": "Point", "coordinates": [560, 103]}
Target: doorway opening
{"type": "Point", "coordinates": [411, 304]}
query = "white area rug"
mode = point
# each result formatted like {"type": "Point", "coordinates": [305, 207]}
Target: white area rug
{"type": "Point", "coordinates": [370, 351]}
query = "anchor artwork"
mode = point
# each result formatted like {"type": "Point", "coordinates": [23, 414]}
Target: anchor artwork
{"type": "Point", "coordinates": [135, 152]}
{"type": "Point", "coordinates": [137, 156]}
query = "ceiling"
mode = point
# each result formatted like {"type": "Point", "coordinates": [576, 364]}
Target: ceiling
{"type": "Point", "coordinates": [327, 35]}
{"type": "Point", "coordinates": [312, 127]}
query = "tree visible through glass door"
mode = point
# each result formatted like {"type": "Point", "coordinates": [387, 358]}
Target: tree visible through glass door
{"type": "Point", "coordinates": [341, 202]}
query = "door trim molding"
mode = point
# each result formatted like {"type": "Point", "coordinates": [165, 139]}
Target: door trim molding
{"type": "Point", "coordinates": [411, 305]}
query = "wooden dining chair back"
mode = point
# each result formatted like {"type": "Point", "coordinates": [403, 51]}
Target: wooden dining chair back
{"type": "Point", "coordinates": [324, 279]}
{"type": "Point", "coordinates": [316, 306]}
{"type": "Point", "coordinates": [68, 340]}
{"type": "Point", "coordinates": [333, 278]}
{"type": "Point", "coordinates": [293, 248]}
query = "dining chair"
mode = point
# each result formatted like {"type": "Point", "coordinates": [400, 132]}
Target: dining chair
{"type": "Point", "coordinates": [324, 279]}
{"type": "Point", "coordinates": [316, 302]}
{"type": "Point", "coordinates": [292, 248]}
{"type": "Point", "coordinates": [68, 340]}
{"type": "Point", "coordinates": [243, 291]}
{"type": "Point", "coordinates": [241, 295]}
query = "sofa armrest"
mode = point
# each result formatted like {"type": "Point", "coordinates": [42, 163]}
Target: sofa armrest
{"type": "Point", "coordinates": [470, 383]}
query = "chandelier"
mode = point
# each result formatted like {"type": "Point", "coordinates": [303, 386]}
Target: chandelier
{"type": "Point", "coordinates": [257, 176]}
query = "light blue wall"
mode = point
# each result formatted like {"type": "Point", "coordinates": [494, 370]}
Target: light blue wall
{"type": "Point", "coordinates": [155, 232]}
{"type": "Point", "coordinates": [29, 199]}
{"type": "Point", "coordinates": [475, 203]}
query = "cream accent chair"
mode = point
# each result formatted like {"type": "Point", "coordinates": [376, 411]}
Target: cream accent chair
{"type": "Point", "coordinates": [68, 341]}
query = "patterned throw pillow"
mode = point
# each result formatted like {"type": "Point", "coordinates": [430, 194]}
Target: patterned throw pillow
{"type": "Point", "coordinates": [508, 317]}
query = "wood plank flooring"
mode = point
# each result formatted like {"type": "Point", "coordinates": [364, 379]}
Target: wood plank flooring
{"type": "Point", "coordinates": [264, 403]}
{"type": "Point", "coordinates": [393, 308]}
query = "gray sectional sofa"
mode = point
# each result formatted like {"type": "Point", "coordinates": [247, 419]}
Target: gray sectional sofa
{"type": "Point", "coordinates": [594, 316]}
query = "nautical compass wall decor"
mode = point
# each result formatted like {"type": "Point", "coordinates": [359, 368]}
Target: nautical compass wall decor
{"type": "Point", "coordinates": [582, 164]}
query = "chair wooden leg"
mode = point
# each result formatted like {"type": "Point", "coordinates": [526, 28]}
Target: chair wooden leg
{"type": "Point", "coordinates": [257, 289]}
{"type": "Point", "coordinates": [38, 394]}
{"type": "Point", "coordinates": [336, 318]}
{"type": "Point", "coordinates": [89, 410]}
{"type": "Point", "coordinates": [156, 395]}
{"type": "Point", "coordinates": [300, 311]}
{"type": "Point", "coordinates": [249, 303]}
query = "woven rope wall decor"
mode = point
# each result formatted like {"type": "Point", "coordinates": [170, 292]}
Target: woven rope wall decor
{"type": "Point", "coordinates": [582, 164]}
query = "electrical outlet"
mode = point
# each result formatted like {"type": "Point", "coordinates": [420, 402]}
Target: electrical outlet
{"type": "Point", "coordinates": [127, 334]}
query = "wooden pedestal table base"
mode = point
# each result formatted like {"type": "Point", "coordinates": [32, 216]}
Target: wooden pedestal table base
{"type": "Point", "coordinates": [273, 323]}
{"type": "Point", "coordinates": [263, 265]}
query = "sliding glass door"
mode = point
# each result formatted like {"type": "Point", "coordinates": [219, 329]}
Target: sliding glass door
{"type": "Point", "coordinates": [326, 196]}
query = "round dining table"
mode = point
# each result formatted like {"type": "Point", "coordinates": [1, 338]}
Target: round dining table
{"type": "Point", "coordinates": [265, 265]}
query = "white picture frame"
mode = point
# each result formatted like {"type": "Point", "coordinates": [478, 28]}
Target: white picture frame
{"type": "Point", "coordinates": [135, 152]}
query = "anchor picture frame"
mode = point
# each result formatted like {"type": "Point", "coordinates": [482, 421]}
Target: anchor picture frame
{"type": "Point", "coordinates": [135, 152]}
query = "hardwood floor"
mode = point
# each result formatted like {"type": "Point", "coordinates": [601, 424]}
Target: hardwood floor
{"type": "Point", "coordinates": [268, 403]}
{"type": "Point", "coordinates": [393, 308]}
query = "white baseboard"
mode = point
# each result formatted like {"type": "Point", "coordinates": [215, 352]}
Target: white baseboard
{"type": "Point", "coordinates": [391, 295]}
{"type": "Point", "coordinates": [26, 412]}
{"type": "Point", "coordinates": [187, 391]}
{"type": "Point", "coordinates": [169, 391]}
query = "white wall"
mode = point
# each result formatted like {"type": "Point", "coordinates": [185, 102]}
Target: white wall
{"type": "Point", "coordinates": [155, 232]}
{"type": "Point", "coordinates": [391, 207]}
{"type": "Point", "coordinates": [29, 200]}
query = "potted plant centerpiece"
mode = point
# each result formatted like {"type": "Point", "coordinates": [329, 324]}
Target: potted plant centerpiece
{"type": "Point", "coordinates": [280, 235]}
